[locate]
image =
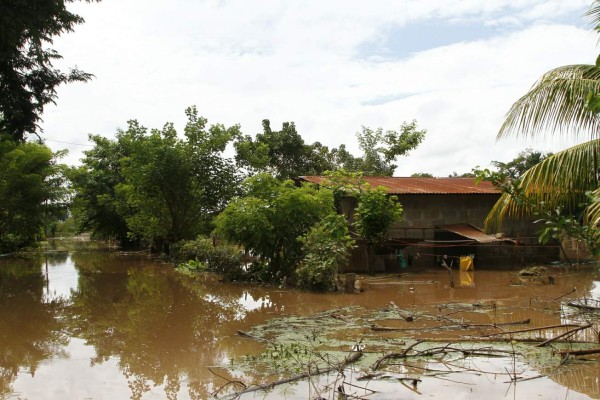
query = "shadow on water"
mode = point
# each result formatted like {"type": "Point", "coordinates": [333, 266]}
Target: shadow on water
{"type": "Point", "coordinates": [89, 323]}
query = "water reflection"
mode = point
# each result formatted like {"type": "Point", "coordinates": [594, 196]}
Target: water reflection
{"type": "Point", "coordinates": [92, 322]}
{"type": "Point", "coordinates": [31, 326]}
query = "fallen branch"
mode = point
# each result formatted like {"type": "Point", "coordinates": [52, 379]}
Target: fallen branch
{"type": "Point", "coordinates": [584, 306]}
{"type": "Point", "coordinates": [566, 353]}
{"type": "Point", "coordinates": [541, 328]}
{"type": "Point", "coordinates": [379, 328]}
{"type": "Point", "coordinates": [341, 317]}
{"type": "Point", "coordinates": [406, 317]}
{"type": "Point", "coordinates": [377, 363]}
{"type": "Point", "coordinates": [569, 332]}
{"type": "Point", "coordinates": [566, 294]}
{"type": "Point", "coordinates": [317, 371]}
{"type": "Point", "coordinates": [522, 322]}
{"type": "Point", "coordinates": [247, 335]}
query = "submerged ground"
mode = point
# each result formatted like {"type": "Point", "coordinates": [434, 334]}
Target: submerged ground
{"type": "Point", "coordinates": [83, 322]}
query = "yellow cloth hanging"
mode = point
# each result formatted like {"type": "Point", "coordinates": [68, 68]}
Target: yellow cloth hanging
{"type": "Point", "coordinates": [466, 263]}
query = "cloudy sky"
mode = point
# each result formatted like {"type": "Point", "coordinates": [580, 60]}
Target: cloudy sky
{"type": "Point", "coordinates": [330, 66]}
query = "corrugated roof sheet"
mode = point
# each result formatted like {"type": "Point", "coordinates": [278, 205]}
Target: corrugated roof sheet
{"type": "Point", "coordinates": [469, 231]}
{"type": "Point", "coordinates": [403, 185]}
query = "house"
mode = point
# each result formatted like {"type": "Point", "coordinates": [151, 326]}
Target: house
{"type": "Point", "coordinates": [445, 217]}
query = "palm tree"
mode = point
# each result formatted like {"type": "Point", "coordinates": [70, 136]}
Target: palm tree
{"type": "Point", "coordinates": [564, 101]}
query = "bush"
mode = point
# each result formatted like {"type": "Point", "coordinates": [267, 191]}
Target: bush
{"type": "Point", "coordinates": [187, 250]}
{"type": "Point", "coordinates": [327, 246]}
{"type": "Point", "coordinates": [222, 258]}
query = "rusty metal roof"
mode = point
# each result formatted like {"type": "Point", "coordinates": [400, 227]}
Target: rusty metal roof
{"type": "Point", "coordinates": [470, 232]}
{"type": "Point", "coordinates": [403, 185]}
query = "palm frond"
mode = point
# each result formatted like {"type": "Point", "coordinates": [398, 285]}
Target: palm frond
{"type": "Point", "coordinates": [559, 180]}
{"type": "Point", "coordinates": [556, 104]}
{"type": "Point", "coordinates": [593, 212]}
{"type": "Point", "coordinates": [593, 15]}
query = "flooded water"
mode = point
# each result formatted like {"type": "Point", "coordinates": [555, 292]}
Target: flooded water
{"type": "Point", "coordinates": [81, 322]}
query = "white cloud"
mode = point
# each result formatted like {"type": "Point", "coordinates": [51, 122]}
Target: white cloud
{"type": "Point", "coordinates": [240, 62]}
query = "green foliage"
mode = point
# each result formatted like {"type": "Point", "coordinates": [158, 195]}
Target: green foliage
{"type": "Point", "coordinates": [557, 223]}
{"type": "Point", "coordinates": [376, 210]}
{"type": "Point", "coordinates": [526, 159]}
{"type": "Point", "coordinates": [283, 357]}
{"type": "Point", "coordinates": [327, 246]}
{"type": "Point", "coordinates": [202, 254]}
{"type": "Point", "coordinates": [187, 250]}
{"type": "Point", "coordinates": [192, 267]}
{"type": "Point", "coordinates": [269, 219]}
{"type": "Point", "coordinates": [421, 175]}
{"type": "Point", "coordinates": [94, 206]}
{"type": "Point", "coordinates": [28, 80]}
{"type": "Point", "coordinates": [282, 153]}
{"type": "Point", "coordinates": [380, 149]}
{"type": "Point", "coordinates": [31, 192]}
{"type": "Point", "coordinates": [375, 213]}
{"type": "Point", "coordinates": [564, 101]}
{"type": "Point", "coordinates": [155, 186]}
{"type": "Point", "coordinates": [285, 155]}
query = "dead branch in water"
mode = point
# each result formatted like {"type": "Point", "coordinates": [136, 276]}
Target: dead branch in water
{"type": "Point", "coordinates": [379, 328]}
{"type": "Point", "coordinates": [406, 317]}
{"type": "Point", "coordinates": [566, 353]}
{"type": "Point", "coordinates": [394, 355]}
{"type": "Point", "coordinates": [541, 328]}
{"type": "Point", "coordinates": [569, 332]}
{"type": "Point", "coordinates": [305, 375]}
{"type": "Point", "coordinates": [566, 294]}
{"type": "Point", "coordinates": [583, 306]}
{"type": "Point", "coordinates": [249, 336]}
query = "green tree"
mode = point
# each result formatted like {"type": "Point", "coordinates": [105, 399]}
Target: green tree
{"type": "Point", "coordinates": [526, 159]}
{"type": "Point", "coordinates": [94, 205]}
{"type": "Point", "coordinates": [173, 187]}
{"type": "Point", "coordinates": [283, 154]}
{"type": "Point", "coordinates": [380, 149]}
{"type": "Point", "coordinates": [28, 80]}
{"type": "Point", "coordinates": [153, 185]}
{"type": "Point", "coordinates": [30, 192]}
{"type": "Point", "coordinates": [269, 219]}
{"type": "Point", "coordinates": [375, 212]}
{"type": "Point", "coordinates": [562, 101]}
{"type": "Point", "coordinates": [422, 175]}
{"type": "Point", "coordinates": [327, 247]}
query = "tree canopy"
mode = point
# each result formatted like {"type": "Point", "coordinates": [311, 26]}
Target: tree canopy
{"type": "Point", "coordinates": [270, 217]}
{"type": "Point", "coordinates": [28, 79]}
{"type": "Point", "coordinates": [30, 191]}
{"type": "Point", "coordinates": [155, 186]}
{"type": "Point", "coordinates": [285, 155]}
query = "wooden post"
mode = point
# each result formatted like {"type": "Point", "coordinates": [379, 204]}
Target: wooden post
{"type": "Point", "coordinates": [349, 280]}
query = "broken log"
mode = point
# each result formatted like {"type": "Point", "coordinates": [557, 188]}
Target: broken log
{"type": "Point", "coordinates": [406, 317]}
{"type": "Point", "coordinates": [311, 372]}
{"type": "Point", "coordinates": [566, 353]}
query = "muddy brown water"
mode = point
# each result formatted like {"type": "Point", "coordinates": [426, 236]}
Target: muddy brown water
{"type": "Point", "coordinates": [81, 322]}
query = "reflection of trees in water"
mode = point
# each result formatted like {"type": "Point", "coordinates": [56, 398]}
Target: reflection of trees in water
{"type": "Point", "coordinates": [158, 329]}
{"type": "Point", "coordinates": [30, 329]}
{"type": "Point", "coordinates": [581, 376]}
